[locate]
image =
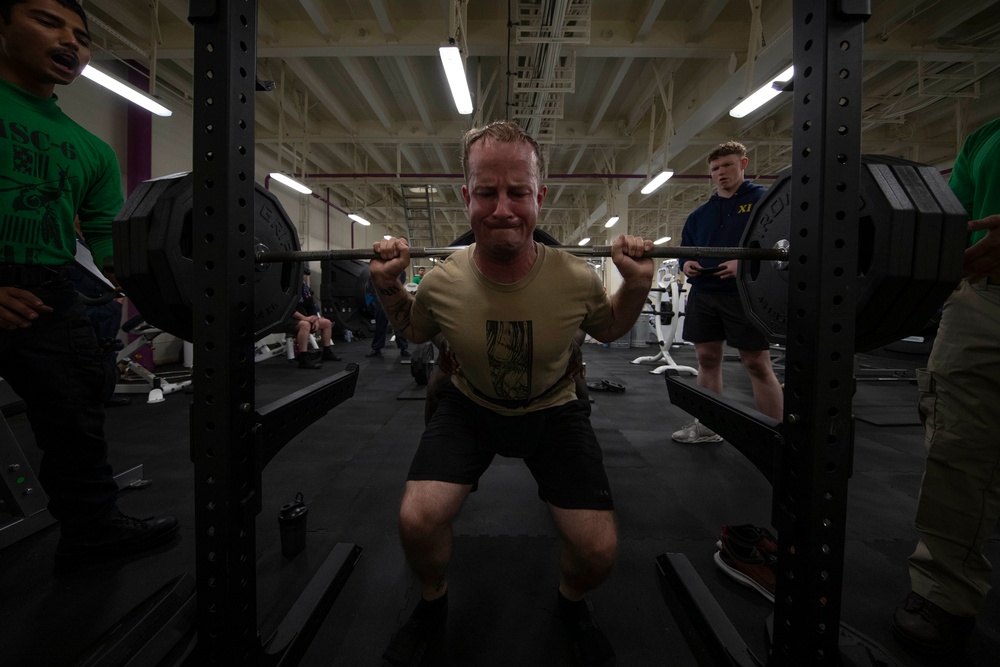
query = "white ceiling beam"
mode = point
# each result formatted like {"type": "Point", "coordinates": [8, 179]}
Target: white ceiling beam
{"type": "Point", "coordinates": [647, 19]}
{"type": "Point", "coordinates": [410, 79]}
{"type": "Point", "coordinates": [382, 17]}
{"type": "Point", "coordinates": [369, 91]}
{"type": "Point", "coordinates": [380, 159]}
{"type": "Point", "coordinates": [320, 17]}
{"type": "Point", "coordinates": [572, 168]}
{"type": "Point", "coordinates": [611, 89]}
{"type": "Point", "coordinates": [699, 26]}
{"type": "Point", "coordinates": [957, 16]}
{"type": "Point", "coordinates": [321, 91]}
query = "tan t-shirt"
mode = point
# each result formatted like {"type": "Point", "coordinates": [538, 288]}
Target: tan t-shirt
{"type": "Point", "coordinates": [512, 340]}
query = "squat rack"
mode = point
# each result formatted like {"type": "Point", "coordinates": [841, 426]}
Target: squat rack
{"type": "Point", "coordinates": [808, 457]}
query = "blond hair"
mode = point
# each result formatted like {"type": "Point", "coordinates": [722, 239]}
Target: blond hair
{"type": "Point", "coordinates": [502, 131]}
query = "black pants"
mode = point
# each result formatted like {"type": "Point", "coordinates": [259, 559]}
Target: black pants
{"type": "Point", "coordinates": [57, 368]}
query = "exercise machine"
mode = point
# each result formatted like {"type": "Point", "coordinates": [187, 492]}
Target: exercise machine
{"type": "Point", "coordinates": [136, 378]}
{"type": "Point", "coordinates": [669, 284]}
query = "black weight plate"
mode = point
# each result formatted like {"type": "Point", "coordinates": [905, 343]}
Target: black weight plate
{"type": "Point", "coordinates": [764, 288]}
{"type": "Point", "coordinates": [902, 238]}
{"type": "Point", "coordinates": [163, 236]}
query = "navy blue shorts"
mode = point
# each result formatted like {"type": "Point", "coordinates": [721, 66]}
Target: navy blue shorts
{"type": "Point", "coordinates": [714, 316]}
{"type": "Point", "coordinates": [558, 445]}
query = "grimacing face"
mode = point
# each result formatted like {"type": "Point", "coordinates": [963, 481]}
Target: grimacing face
{"type": "Point", "coordinates": [503, 196]}
{"type": "Point", "coordinates": [43, 45]}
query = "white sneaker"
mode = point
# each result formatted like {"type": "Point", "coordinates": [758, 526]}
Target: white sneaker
{"type": "Point", "coordinates": [694, 433]}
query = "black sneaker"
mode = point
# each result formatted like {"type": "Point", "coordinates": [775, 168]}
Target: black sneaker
{"type": "Point", "coordinates": [308, 361]}
{"type": "Point", "coordinates": [422, 634]}
{"type": "Point", "coordinates": [590, 644]}
{"type": "Point", "coordinates": [118, 536]}
{"type": "Point", "coordinates": [922, 625]}
{"type": "Point", "coordinates": [374, 353]}
{"type": "Point", "coordinates": [118, 401]}
{"type": "Point", "coordinates": [329, 354]}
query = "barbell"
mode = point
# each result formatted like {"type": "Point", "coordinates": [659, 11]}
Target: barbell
{"type": "Point", "coordinates": [911, 235]}
{"type": "Point", "coordinates": [778, 254]}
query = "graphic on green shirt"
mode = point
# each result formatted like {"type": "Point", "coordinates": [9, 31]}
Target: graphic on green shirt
{"type": "Point", "coordinates": [52, 171]}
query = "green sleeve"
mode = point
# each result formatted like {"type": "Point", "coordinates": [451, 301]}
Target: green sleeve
{"type": "Point", "coordinates": [100, 205]}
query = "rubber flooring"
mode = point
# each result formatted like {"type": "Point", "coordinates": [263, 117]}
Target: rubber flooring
{"type": "Point", "coordinates": [350, 466]}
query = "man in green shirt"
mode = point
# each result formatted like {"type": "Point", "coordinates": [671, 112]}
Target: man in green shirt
{"type": "Point", "coordinates": [52, 171]}
{"type": "Point", "coordinates": [959, 393]}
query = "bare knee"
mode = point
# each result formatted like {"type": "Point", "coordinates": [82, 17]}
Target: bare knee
{"type": "Point", "coordinates": [709, 355]}
{"type": "Point", "coordinates": [591, 540]}
{"type": "Point", "coordinates": [428, 507]}
{"type": "Point", "coordinates": [598, 555]}
{"type": "Point", "coordinates": [757, 364]}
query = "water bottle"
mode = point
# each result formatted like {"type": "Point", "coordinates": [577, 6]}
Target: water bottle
{"type": "Point", "coordinates": [292, 522]}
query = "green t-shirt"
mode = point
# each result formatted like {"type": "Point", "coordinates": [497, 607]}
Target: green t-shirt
{"type": "Point", "coordinates": [976, 174]}
{"type": "Point", "coordinates": [52, 170]}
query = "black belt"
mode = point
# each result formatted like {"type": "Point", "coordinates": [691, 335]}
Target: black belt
{"type": "Point", "coordinates": [27, 276]}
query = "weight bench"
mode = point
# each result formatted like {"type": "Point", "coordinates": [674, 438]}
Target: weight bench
{"type": "Point", "coordinates": [265, 351]}
{"type": "Point", "coordinates": [143, 380]}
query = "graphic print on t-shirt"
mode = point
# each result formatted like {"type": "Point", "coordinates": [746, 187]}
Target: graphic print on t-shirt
{"type": "Point", "coordinates": [508, 349]}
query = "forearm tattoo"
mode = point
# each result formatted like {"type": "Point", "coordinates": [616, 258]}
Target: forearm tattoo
{"type": "Point", "coordinates": [399, 314]}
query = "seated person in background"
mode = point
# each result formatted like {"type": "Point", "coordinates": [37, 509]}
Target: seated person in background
{"type": "Point", "coordinates": [306, 320]}
{"type": "Point", "coordinates": [419, 275]}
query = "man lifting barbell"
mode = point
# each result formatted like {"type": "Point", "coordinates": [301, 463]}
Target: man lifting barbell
{"type": "Point", "coordinates": [509, 307]}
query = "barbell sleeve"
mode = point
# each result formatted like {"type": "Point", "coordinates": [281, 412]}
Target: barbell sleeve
{"type": "Point", "coordinates": [673, 252]}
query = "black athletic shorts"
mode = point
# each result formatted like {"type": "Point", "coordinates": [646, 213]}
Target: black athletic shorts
{"type": "Point", "coordinates": [715, 316]}
{"type": "Point", "coordinates": [558, 445]}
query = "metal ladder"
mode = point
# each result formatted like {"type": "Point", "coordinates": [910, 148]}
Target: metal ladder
{"type": "Point", "coordinates": [419, 214]}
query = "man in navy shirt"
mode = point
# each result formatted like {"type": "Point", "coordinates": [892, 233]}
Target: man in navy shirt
{"type": "Point", "coordinates": [713, 314]}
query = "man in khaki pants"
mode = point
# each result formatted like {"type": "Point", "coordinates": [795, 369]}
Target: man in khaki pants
{"type": "Point", "coordinates": [959, 398]}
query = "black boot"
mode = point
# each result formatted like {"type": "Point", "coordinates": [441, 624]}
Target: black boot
{"type": "Point", "coordinates": [117, 536]}
{"type": "Point", "coordinates": [422, 634]}
{"type": "Point", "coordinates": [922, 625]}
{"type": "Point", "coordinates": [590, 644]}
{"type": "Point", "coordinates": [308, 361]}
{"type": "Point", "coordinates": [329, 354]}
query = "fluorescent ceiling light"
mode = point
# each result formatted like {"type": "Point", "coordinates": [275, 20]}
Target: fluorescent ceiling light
{"type": "Point", "coordinates": [584, 241]}
{"type": "Point", "coordinates": [611, 222]}
{"type": "Point", "coordinates": [128, 92]}
{"type": "Point", "coordinates": [657, 181]}
{"type": "Point", "coordinates": [661, 240]}
{"type": "Point", "coordinates": [387, 237]}
{"type": "Point", "coordinates": [294, 185]}
{"type": "Point", "coordinates": [358, 219]}
{"type": "Point", "coordinates": [451, 58]}
{"type": "Point", "coordinates": [761, 95]}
